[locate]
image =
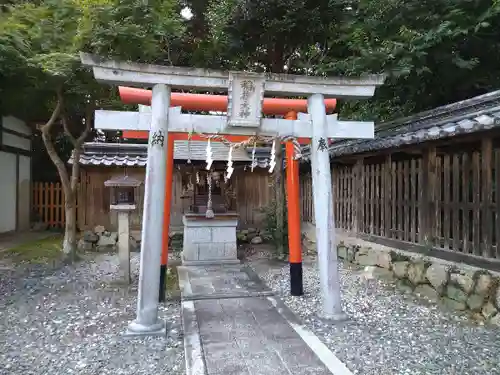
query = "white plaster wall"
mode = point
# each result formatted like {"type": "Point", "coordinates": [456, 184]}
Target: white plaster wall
{"type": "Point", "coordinates": [13, 140]}
{"type": "Point", "coordinates": [13, 123]}
{"type": "Point", "coordinates": [24, 182]}
{"type": "Point", "coordinates": [8, 186]}
{"type": "Point", "coordinates": [16, 141]}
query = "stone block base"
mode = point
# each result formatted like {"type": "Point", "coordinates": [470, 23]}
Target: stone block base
{"type": "Point", "coordinates": [453, 285]}
{"type": "Point", "coordinates": [212, 262]}
{"type": "Point", "coordinates": [209, 241]}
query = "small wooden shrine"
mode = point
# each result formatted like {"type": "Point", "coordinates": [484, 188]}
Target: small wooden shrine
{"type": "Point", "coordinates": [122, 191]}
{"type": "Point", "coordinates": [207, 191]}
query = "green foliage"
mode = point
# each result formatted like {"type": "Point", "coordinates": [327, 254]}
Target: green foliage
{"type": "Point", "coordinates": [40, 43]}
{"type": "Point", "coordinates": [278, 33]}
{"type": "Point", "coordinates": [48, 60]}
{"type": "Point", "coordinates": [172, 282]}
{"type": "Point", "coordinates": [43, 31]}
{"type": "Point", "coordinates": [435, 52]}
{"type": "Point", "coordinates": [261, 34]}
{"type": "Point", "coordinates": [270, 225]}
{"type": "Point", "coordinates": [134, 30]}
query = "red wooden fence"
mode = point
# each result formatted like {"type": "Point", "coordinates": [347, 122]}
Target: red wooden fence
{"type": "Point", "coordinates": [48, 203]}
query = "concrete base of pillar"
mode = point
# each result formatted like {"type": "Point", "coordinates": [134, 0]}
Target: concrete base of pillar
{"type": "Point", "coordinates": [135, 329]}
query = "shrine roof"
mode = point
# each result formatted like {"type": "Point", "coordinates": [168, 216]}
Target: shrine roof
{"type": "Point", "coordinates": [477, 114]}
{"type": "Point", "coordinates": [135, 155]}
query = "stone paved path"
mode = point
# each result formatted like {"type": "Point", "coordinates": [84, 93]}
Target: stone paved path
{"type": "Point", "coordinates": [233, 325]}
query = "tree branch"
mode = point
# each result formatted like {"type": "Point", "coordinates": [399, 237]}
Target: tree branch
{"type": "Point", "coordinates": [75, 170]}
{"type": "Point", "coordinates": [88, 121]}
{"type": "Point", "coordinates": [66, 129]}
{"type": "Point", "coordinates": [54, 116]}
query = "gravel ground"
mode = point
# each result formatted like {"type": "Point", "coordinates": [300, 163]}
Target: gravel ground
{"type": "Point", "coordinates": [388, 333]}
{"type": "Point", "coordinates": [70, 321]}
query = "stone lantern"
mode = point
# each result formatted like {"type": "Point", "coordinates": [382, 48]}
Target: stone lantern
{"type": "Point", "coordinates": [122, 193]}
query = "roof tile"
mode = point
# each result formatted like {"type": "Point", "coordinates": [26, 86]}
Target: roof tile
{"type": "Point", "coordinates": [135, 155]}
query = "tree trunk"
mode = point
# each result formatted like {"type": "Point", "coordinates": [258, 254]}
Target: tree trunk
{"type": "Point", "coordinates": [69, 185]}
{"type": "Point", "coordinates": [69, 243]}
{"type": "Point", "coordinates": [70, 195]}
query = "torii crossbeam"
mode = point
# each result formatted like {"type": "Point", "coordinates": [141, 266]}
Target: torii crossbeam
{"type": "Point", "coordinates": [243, 118]}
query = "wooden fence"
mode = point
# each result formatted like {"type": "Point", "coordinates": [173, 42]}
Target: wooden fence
{"type": "Point", "coordinates": [48, 203]}
{"type": "Point", "coordinates": [441, 199]}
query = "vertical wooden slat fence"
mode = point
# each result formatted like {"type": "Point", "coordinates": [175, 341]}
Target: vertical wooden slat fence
{"type": "Point", "coordinates": [445, 199]}
{"type": "Point", "coordinates": [48, 203]}
{"type": "Point", "coordinates": [306, 209]}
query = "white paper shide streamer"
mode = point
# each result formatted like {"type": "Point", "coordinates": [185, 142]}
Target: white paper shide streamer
{"type": "Point", "coordinates": [209, 159]}
{"type": "Point", "coordinates": [229, 169]}
{"type": "Point", "coordinates": [272, 162]}
{"type": "Point", "coordinates": [254, 162]}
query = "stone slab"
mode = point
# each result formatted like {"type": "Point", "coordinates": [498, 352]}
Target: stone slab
{"type": "Point", "coordinates": [219, 281]}
{"type": "Point", "coordinates": [249, 336]}
{"type": "Point", "coordinates": [233, 325]}
{"type": "Point", "coordinates": [210, 262]}
{"type": "Point", "coordinates": [197, 235]}
{"type": "Point", "coordinates": [197, 297]}
{"type": "Point", "coordinates": [193, 352]}
{"type": "Point", "coordinates": [224, 234]}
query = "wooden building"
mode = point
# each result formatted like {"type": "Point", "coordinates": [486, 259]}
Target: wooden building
{"type": "Point", "coordinates": [247, 193]}
{"type": "Point", "coordinates": [428, 183]}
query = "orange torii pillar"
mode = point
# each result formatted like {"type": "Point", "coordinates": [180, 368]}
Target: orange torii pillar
{"type": "Point", "coordinates": [293, 206]}
{"type": "Point", "coordinates": [166, 218]}
{"type": "Point", "coordinates": [202, 102]}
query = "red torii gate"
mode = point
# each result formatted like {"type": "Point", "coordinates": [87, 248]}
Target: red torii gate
{"type": "Point", "coordinates": [202, 102]}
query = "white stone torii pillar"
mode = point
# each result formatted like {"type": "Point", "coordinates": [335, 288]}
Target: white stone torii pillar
{"type": "Point", "coordinates": [147, 321]}
{"type": "Point", "coordinates": [323, 211]}
{"type": "Point", "coordinates": [243, 118]}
